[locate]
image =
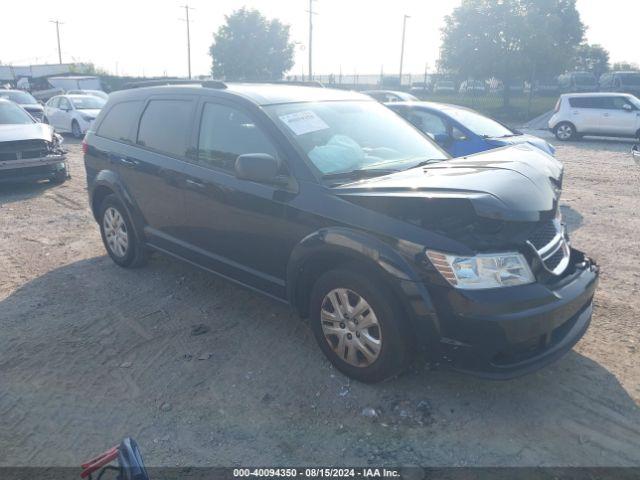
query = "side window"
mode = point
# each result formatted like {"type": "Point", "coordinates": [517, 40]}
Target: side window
{"type": "Point", "coordinates": [119, 121]}
{"type": "Point", "coordinates": [64, 104]}
{"type": "Point", "coordinates": [428, 122]}
{"type": "Point", "coordinates": [225, 133]}
{"type": "Point", "coordinates": [54, 102]}
{"type": "Point", "coordinates": [619, 102]}
{"type": "Point", "coordinates": [164, 126]}
{"type": "Point", "coordinates": [458, 134]}
{"type": "Point", "coordinates": [586, 102]}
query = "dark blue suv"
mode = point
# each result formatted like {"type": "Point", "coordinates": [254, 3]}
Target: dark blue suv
{"type": "Point", "coordinates": [331, 202]}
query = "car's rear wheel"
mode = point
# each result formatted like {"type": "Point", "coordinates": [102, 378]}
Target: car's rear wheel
{"type": "Point", "coordinates": [75, 129]}
{"type": "Point", "coordinates": [118, 235]}
{"type": "Point", "coordinates": [359, 326]}
{"type": "Point", "coordinates": [565, 131]}
{"type": "Point", "coordinates": [59, 177]}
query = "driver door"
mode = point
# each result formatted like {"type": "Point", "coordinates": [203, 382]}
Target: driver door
{"type": "Point", "coordinates": [63, 115]}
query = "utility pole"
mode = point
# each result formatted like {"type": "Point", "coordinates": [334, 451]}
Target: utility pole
{"type": "Point", "coordinates": [311, 14]}
{"type": "Point", "coordinates": [58, 23]}
{"type": "Point", "coordinates": [186, 10]}
{"type": "Point", "coordinates": [404, 28]}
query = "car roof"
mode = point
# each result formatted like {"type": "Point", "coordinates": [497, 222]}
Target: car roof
{"type": "Point", "coordinates": [258, 93]}
{"type": "Point", "coordinates": [595, 94]}
{"type": "Point", "coordinates": [441, 107]}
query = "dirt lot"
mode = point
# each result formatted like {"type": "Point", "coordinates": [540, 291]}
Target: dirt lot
{"type": "Point", "coordinates": [90, 352]}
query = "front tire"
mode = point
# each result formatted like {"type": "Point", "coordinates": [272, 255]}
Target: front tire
{"type": "Point", "coordinates": [359, 326]}
{"type": "Point", "coordinates": [59, 177]}
{"type": "Point", "coordinates": [118, 235]}
{"type": "Point", "coordinates": [565, 131]}
{"type": "Point", "coordinates": [75, 129]}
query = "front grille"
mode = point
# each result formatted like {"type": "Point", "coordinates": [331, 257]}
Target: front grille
{"type": "Point", "coordinates": [23, 149]}
{"type": "Point", "coordinates": [550, 245]}
{"type": "Point", "coordinates": [544, 234]}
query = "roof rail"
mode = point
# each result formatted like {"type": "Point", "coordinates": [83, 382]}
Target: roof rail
{"type": "Point", "coordinates": [300, 83]}
{"type": "Point", "coordinates": [174, 81]}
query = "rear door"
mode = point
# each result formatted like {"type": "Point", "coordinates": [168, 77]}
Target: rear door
{"type": "Point", "coordinates": [585, 113]}
{"type": "Point", "coordinates": [236, 227]}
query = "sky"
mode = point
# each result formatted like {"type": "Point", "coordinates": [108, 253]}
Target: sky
{"type": "Point", "coordinates": [148, 37]}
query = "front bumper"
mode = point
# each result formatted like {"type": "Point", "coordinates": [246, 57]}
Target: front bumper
{"type": "Point", "coordinates": [508, 332]}
{"type": "Point", "coordinates": [32, 168]}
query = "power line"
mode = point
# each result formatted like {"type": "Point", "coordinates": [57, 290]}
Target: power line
{"type": "Point", "coordinates": [186, 10]}
{"type": "Point", "coordinates": [58, 23]}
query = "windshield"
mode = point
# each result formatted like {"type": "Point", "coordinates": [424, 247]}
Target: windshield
{"type": "Point", "coordinates": [479, 124]}
{"type": "Point", "coordinates": [87, 102]}
{"type": "Point", "coordinates": [22, 98]}
{"type": "Point", "coordinates": [630, 78]}
{"type": "Point", "coordinates": [11, 114]}
{"type": "Point", "coordinates": [341, 137]}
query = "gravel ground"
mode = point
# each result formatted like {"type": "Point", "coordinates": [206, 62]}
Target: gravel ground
{"type": "Point", "coordinates": [202, 372]}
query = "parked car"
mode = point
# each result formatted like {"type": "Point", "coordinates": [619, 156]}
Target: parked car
{"type": "Point", "coordinates": [444, 86]}
{"type": "Point", "coordinates": [72, 113]}
{"type": "Point", "coordinates": [578, 82]}
{"type": "Point", "coordinates": [626, 82]}
{"type": "Point", "coordinates": [462, 131]}
{"type": "Point", "coordinates": [390, 96]}
{"type": "Point", "coordinates": [328, 201]}
{"type": "Point", "coordinates": [96, 93]}
{"type": "Point", "coordinates": [29, 150]}
{"type": "Point", "coordinates": [25, 100]}
{"type": "Point", "coordinates": [473, 86]}
{"type": "Point", "coordinates": [603, 114]}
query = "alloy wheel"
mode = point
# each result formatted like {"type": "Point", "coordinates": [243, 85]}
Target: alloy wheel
{"type": "Point", "coordinates": [115, 232]}
{"type": "Point", "coordinates": [564, 132]}
{"type": "Point", "coordinates": [350, 327]}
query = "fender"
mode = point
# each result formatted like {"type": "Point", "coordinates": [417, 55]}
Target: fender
{"type": "Point", "coordinates": [375, 253]}
{"type": "Point", "coordinates": [112, 181]}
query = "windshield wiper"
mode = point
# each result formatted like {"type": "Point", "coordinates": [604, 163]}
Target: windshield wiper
{"type": "Point", "coordinates": [425, 162]}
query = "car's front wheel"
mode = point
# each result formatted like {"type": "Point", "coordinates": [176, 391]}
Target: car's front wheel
{"type": "Point", "coordinates": [359, 326]}
{"type": "Point", "coordinates": [76, 131]}
{"type": "Point", "coordinates": [565, 131]}
{"type": "Point", "coordinates": [118, 235]}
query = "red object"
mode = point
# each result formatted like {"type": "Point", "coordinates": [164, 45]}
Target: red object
{"type": "Point", "coordinates": [101, 460]}
{"type": "Point", "coordinates": [85, 147]}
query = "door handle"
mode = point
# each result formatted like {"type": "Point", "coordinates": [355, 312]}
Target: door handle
{"type": "Point", "coordinates": [128, 162]}
{"type": "Point", "coordinates": [195, 183]}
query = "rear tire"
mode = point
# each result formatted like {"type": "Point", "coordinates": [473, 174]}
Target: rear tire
{"type": "Point", "coordinates": [366, 341]}
{"type": "Point", "coordinates": [565, 131]}
{"type": "Point", "coordinates": [118, 235]}
{"type": "Point", "coordinates": [75, 129]}
{"type": "Point", "coordinates": [60, 177]}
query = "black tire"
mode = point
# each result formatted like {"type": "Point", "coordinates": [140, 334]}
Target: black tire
{"type": "Point", "coordinates": [135, 254]}
{"type": "Point", "coordinates": [60, 177]}
{"type": "Point", "coordinates": [396, 349]}
{"type": "Point", "coordinates": [75, 129]}
{"type": "Point", "coordinates": [565, 131]}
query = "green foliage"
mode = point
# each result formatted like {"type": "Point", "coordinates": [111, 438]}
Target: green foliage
{"type": "Point", "coordinates": [249, 47]}
{"type": "Point", "coordinates": [591, 58]}
{"type": "Point", "coordinates": [511, 39]}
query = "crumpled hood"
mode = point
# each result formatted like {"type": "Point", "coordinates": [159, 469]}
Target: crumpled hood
{"type": "Point", "coordinates": [516, 183]}
{"type": "Point", "coordinates": [31, 131]}
{"type": "Point", "coordinates": [524, 138]}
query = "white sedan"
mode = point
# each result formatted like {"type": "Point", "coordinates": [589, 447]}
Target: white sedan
{"type": "Point", "coordinates": [72, 113]}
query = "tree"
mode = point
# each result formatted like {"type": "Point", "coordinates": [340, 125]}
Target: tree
{"type": "Point", "coordinates": [511, 39]}
{"type": "Point", "coordinates": [591, 58]}
{"type": "Point", "coordinates": [625, 66]}
{"type": "Point", "coordinates": [249, 47]}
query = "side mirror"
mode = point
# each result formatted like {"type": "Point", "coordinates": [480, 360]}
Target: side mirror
{"type": "Point", "coordinates": [627, 107]}
{"type": "Point", "coordinates": [257, 167]}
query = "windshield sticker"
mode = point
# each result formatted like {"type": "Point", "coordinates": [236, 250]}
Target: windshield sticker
{"type": "Point", "coordinates": [303, 122]}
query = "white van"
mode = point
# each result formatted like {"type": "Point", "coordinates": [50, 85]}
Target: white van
{"type": "Point", "coordinates": [600, 114]}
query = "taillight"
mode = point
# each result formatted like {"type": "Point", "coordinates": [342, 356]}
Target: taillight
{"type": "Point", "coordinates": [557, 109]}
{"type": "Point", "coordinates": [85, 147]}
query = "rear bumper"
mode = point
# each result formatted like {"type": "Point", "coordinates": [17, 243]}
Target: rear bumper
{"type": "Point", "coordinates": [505, 333]}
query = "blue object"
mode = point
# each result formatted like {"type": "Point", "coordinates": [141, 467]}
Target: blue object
{"type": "Point", "coordinates": [462, 131]}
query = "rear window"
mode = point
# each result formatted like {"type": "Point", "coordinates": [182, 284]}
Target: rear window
{"type": "Point", "coordinates": [164, 126]}
{"type": "Point", "coordinates": [119, 121]}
